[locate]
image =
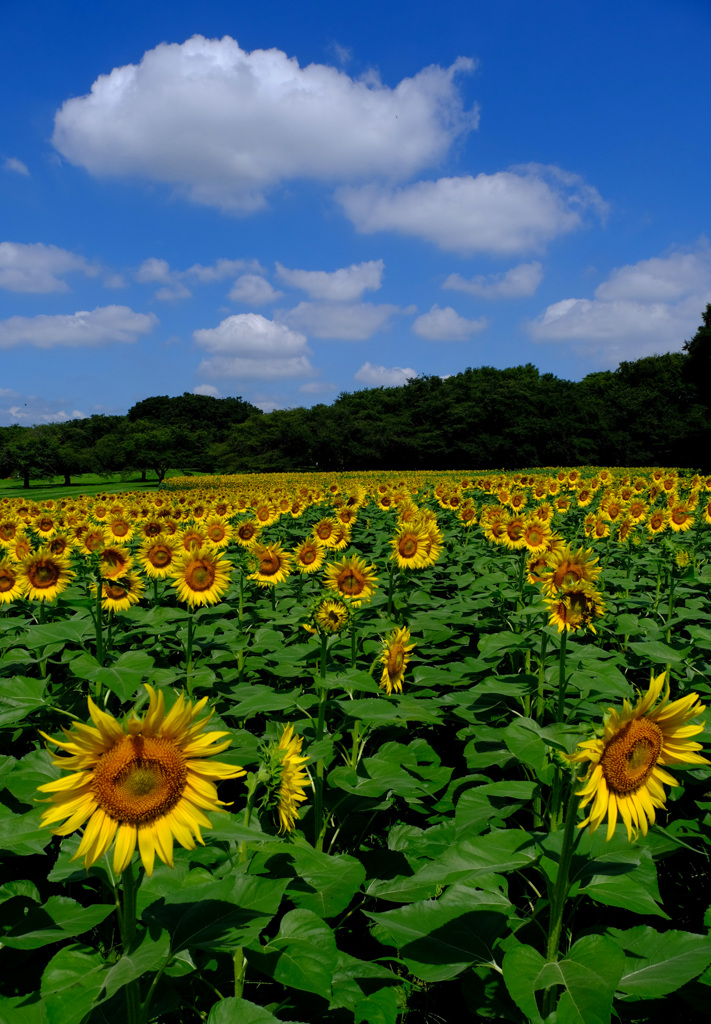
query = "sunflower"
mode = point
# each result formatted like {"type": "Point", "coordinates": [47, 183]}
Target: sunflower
{"type": "Point", "coordinates": [566, 567]}
{"type": "Point", "coordinates": [247, 532]}
{"type": "Point", "coordinates": [309, 556]}
{"type": "Point", "coordinates": [218, 531]}
{"type": "Point", "coordinates": [8, 529]}
{"type": "Point", "coordinates": [200, 576]}
{"type": "Point", "coordinates": [156, 556]}
{"type": "Point", "coordinates": [353, 578]}
{"type": "Point", "coordinates": [44, 525]}
{"type": "Point", "coordinates": [119, 528]}
{"type": "Point", "coordinates": [12, 585]}
{"type": "Point", "coordinates": [89, 539]}
{"type": "Point", "coordinates": [147, 783]}
{"type": "Point", "coordinates": [625, 777]}
{"type": "Point", "coordinates": [272, 564]}
{"type": "Point", "coordinates": [575, 607]}
{"type": "Point", "coordinates": [19, 548]}
{"type": "Point", "coordinates": [394, 658]}
{"type": "Point", "coordinates": [118, 594]}
{"type": "Point", "coordinates": [114, 561]}
{"type": "Point", "coordinates": [410, 547]}
{"type": "Point", "coordinates": [658, 521]}
{"type": "Point", "coordinates": [535, 535]}
{"type": "Point", "coordinates": [324, 530]}
{"type": "Point", "coordinates": [331, 615]}
{"type": "Point", "coordinates": [45, 575]}
{"type": "Point", "coordinates": [681, 518]}
{"type": "Point", "coordinates": [192, 538]}
{"type": "Point", "coordinates": [293, 779]}
{"type": "Point", "coordinates": [512, 536]}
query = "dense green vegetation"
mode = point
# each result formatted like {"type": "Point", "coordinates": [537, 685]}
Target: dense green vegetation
{"type": "Point", "coordinates": [651, 411]}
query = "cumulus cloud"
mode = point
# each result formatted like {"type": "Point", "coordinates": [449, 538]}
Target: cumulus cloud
{"type": "Point", "coordinates": [101, 326]}
{"type": "Point", "coordinates": [250, 345]}
{"type": "Point", "coordinates": [28, 410]}
{"type": "Point", "coordinates": [36, 267]}
{"type": "Point", "coordinates": [376, 376]}
{"type": "Point", "coordinates": [502, 213]}
{"type": "Point", "coordinates": [642, 309]}
{"type": "Point", "coordinates": [318, 387]}
{"type": "Point", "coordinates": [344, 285]}
{"type": "Point", "coordinates": [253, 290]}
{"type": "Point", "coordinates": [222, 125]}
{"type": "Point", "coordinates": [447, 325]}
{"type": "Point", "coordinates": [206, 389]}
{"type": "Point", "coordinates": [519, 282]}
{"type": "Point", "coordinates": [346, 321]}
{"type": "Point", "coordinates": [159, 271]}
{"type": "Point", "coordinates": [11, 163]}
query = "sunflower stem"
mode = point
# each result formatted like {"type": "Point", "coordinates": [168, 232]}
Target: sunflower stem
{"type": "Point", "coordinates": [273, 590]}
{"type": "Point", "coordinates": [560, 893]}
{"type": "Point", "coordinates": [240, 962]}
{"type": "Point", "coordinates": [561, 675]}
{"type": "Point", "coordinates": [320, 722]}
{"type": "Point", "coordinates": [540, 697]}
{"type": "Point", "coordinates": [353, 643]}
{"type": "Point", "coordinates": [391, 581]}
{"type": "Point", "coordinates": [155, 591]}
{"type": "Point", "coordinates": [189, 653]}
{"type": "Point", "coordinates": [128, 935]}
{"type": "Point", "coordinates": [98, 623]}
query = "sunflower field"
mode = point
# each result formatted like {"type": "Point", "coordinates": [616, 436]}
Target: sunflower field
{"type": "Point", "coordinates": [370, 747]}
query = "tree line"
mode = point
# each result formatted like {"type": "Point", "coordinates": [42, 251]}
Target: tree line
{"type": "Point", "coordinates": [650, 411]}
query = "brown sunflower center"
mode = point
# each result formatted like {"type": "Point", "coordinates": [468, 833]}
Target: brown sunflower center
{"type": "Point", "coordinates": [152, 529]}
{"type": "Point", "coordinates": [159, 556]}
{"type": "Point", "coordinates": [350, 582]}
{"type": "Point", "coordinates": [216, 533]}
{"type": "Point", "coordinates": [630, 756]}
{"type": "Point", "coordinates": [396, 660]}
{"type": "Point", "coordinates": [199, 574]}
{"type": "Point", "coordinates": [407, 546]}
{"type": "Point", "coordinates": [269, 564]}
{"type": "Point", "coordinates": [43, 574]}
{"type": "Point", "coordinates": [114, 591]}
{"type": "Point", "coordinates": [308, 556]}
{"type": "Point", "coordinates": [7, 531]}
{"type": "Point", "coordinates": [246, 532]}
{"type": "Point", "coordinates": [45, 524]}
{"type": "Point", "coordinates": [7, 579]}
{"type": "Point", "coordinates": [139, 779]}
{"type": "Point", "coordinates": [567, 574]}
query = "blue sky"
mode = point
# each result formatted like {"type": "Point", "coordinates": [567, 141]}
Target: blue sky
{"type": "Point", "coordinates": [285, 201]}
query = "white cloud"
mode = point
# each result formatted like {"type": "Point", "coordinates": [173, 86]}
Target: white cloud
{"type": "Point", "coordinates": [206, 389]}
{"type": "Point", "coordinates": [253, 290]}
{"type": "Point", "coordinates": [249, 345]}
{"type": "Point", "coordinates": [36, 267]}
{"type": "Point", "coordinates": [642, 309]}
{"type": "Point", "coordinates": [11, 163]}
{"type": "Point", "coordinates": [221, 125]}
{"type": "Point", "coordinates": [503, 213]}
{"type": "Point", "coordinates": [159, 271]}
{"type": "Point", "coordinates": [519, 282]}
{"type": "Point", "coordinates": [223, 268]}
{"type": "Point", "coordinates": [115, 281]}
{"type": "Point", "coordinates": [318, 387]}
{"type": "Point", "coordinates": [355, 321]}
{"type": "Point", "coordinates": [154, 271]}
{"type": "Point", "coordinates": [376, 376]}
{"type": "Point", "coordinates": [446, 325]}
{"type": "Point", "coordinates": [27, 410]}
{"type": "Point", "coordinates": [101, 326]}
{"type": "Point", "coordinates": [344, 285]}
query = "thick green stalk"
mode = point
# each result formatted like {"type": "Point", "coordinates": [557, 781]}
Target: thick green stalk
{"type": "Point", "coordinates": [560, 893]}
{"type": "Point", "coordinates": [562, 681]}
{"type": "Point", "coordinates": [240, 963]}
{"type": "Point", "coordinates": [189, 652]}
{"type": "Point", "coordinates": [127, 922]}
{"type": "Point", "coordinates": [320, 766]}
{"type": "Point", "coordinates": [98, 623]}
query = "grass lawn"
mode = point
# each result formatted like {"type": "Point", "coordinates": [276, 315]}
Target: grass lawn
{"type": "Point", "coordinates": [86, 483]}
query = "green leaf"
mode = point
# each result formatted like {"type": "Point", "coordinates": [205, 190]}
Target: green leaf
{"type": "Point", "coordinates": [19, 697]}
{"type": "Point", "coordinates": [522, 739]}
{"type": "Point", "coordinates": [28, 1009]}
{"type": "Point", "coordinates": [491, 803]}
{"type": "Point", "coordinates": [60, 918]}
{"type": "Point", "coordinates": [589, 974]}
{"type": "Point", "coordinates": [241, 1011]}
{"type": "Point", "coordinates": [146, 954]}
{"type": "Point", "coordinates": [347, 990]}
{"type": "Point", "coordinates": [229, 913]}
{"type": "Point", "coordinates": [21, 833]}
{"type": "Point", "coordinates": [495, 853]}
{"type": "Point", "coordinates": [35, 769]}
{"type": "Point", "coordinates": [380, 1008]}
{"type": "Point", "coordinates": [660, 653]}
{"type": "Point", "coordinates": [127, 674]}
{"type": "Point", "coordinates": [660, 962]}
{"type": "Point", "coordinates": [302, 955]}
{"type": "Point", "coordinates": [70, 984]}
{"type": "Point", "coordinates": [321, 883]}
{"type": "Point", "coordinates": [21, 887]}
{"type": "Point", "coordinates": [438, 939]}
